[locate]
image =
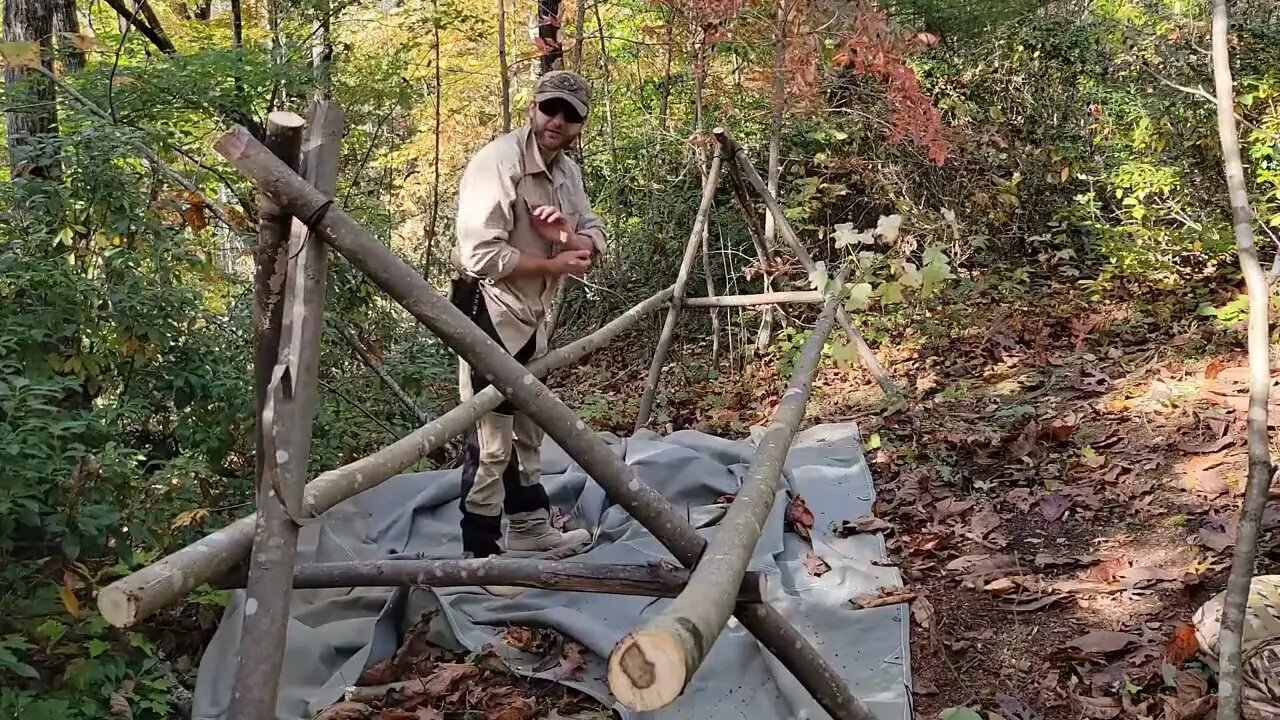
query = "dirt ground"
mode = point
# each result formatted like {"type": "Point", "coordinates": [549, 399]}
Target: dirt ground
{"type": "Point", "coordinates": [1059, 492]}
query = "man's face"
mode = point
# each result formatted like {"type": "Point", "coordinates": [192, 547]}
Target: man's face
{"type": "Point", "coordinates": [556, 124]}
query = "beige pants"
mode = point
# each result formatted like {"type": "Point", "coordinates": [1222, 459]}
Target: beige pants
{"type": "Point", "coordinates": [501, 435]}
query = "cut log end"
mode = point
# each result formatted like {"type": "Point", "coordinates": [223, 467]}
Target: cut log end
{"type": "Point", "coordinates": [285, 119]}
{"type": "Point", "coordinates": [118, 606]}
{"type": "Point", "coordinates": [647, 669]}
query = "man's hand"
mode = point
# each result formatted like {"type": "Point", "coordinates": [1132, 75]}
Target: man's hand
{"type": "Point", "coordinates": [570, 262]}
{"type": "Point", "coordinates": [550, 226]}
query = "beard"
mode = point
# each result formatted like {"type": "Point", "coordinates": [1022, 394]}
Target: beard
{"type": "Point", "coordinates": [552, 140]}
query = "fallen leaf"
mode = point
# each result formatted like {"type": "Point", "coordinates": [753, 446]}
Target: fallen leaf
{"type": "Point", "coordinates": [571, 659]}
{"type": "Point", "coordinates": [922, 612]}
{"type": "Point", "coordinates": [1001, 585]}
{"type": "Point", "coordinates": [1190, 686]}
{"type": "Point", "coordinates": [1014, 709]}
{"type": "Point", "coordinates": [379, 673]}
{"type": "Point", "coordinates": [816, 566]}
{"type": "Point", "coordinates": [1103, 641]}
{"type": "Point", "coordinates": [1192, 710]}
{"type": "Point", "coordinates": [875, 600]}
{"type": "Point", "coordinates": [1215, 540]}
{"type": "Point", "coordinates": [983, 522]}
{"type": "Point", "coordinates": [1106, 570]}
{"type": "Point", "coordinates": [441, 682]}
{"type": "Point", "coordinates": [1140, 577]}
{"type": "Point", "coordinates": [1053, 507]}
{"type": "Point", "coordinates": [924, 687]}
{"type": "Point", "coordinates": [428, 713]}
{"type": "Point", "coordinates": [1086, 587]}
{"type": "Point", "coordinates": [1213, 369]}
{"type": "Point", "coordinates": [950, 507]}
{"type": "Point", "coordinates": [1099, 708]}
{"type": "Point", "coordinates": [1061, 428]}
{"type": "Point", "coordinates": [69, 600]}
{"type": "Point", "coordinates": [1212, 447]}
{"type": "Point", "coordinates": [395, 713]}
{"type": "Point", "coordinates": [958, 713]}
{"type": "Point", "coordinates": [346, 711]}
{"type": "Point", "coordinates": [1020, 604]}
{"type": "Point", "coordinates": [864, 524]}
{"type": "Point", "coordinates": [1047, 560]}
{"type": "Point", "coordinates": [1183, 644]}
{"type": "Point", "coordinates": [799, 518]}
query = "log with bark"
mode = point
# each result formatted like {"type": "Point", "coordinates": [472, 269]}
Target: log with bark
{"type": "Point", "coordinates": [651, 666]}
{"type": "Point", "coordinates": [739, 155]}
{"type": "Point", "coordinates": [129, 600]}
{"type": "Point", "coordinates": [656, 579]}
{"type": "Point", "coordinates": [532, 397]}
{"type": "Point", "coordinates": [285, 421]}
{"type": "Point", "coordinates": [681, 286]}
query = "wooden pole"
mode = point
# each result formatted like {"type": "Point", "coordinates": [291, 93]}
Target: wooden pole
{"type": "Point", "coordinates": [131, 599]}
{"type": "Point", "coordinates": [650, 667]}
{"type": "Point", "coordinates": [869, 360]}
{"type": "Point", "coordinates": [285, 435]}
{"type": "Point", "coordinates": [650, 580]}
{"type": "Point", "coordinates": [774, 298]}
{"type": "Point", "coordinates": [677, 299]}
{"type": "Point", "coordinates": [763, 253]}
{"type": "Point", "coordinates": [526, 392]}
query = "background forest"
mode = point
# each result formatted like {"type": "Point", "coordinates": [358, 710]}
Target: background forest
{"type": "Point", "coordinates": [1028, 186]}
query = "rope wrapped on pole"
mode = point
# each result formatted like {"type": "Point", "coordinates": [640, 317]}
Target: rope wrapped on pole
{"type": "Point", "coordinates": [652, 510]}
{"type": "Point", "coordinates": [129, 600]}
{"type": "Point", "coordinates": [650, 580]}
{"type": "Point", "coordinates": [738, 154]}
{"type": "Point", "coordinates": [650, 666]}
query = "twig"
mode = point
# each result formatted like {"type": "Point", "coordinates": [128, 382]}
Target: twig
{"type": "Point", "coordinates": [359, 407]}
{"type": "Point", "coordinates": [1197, 91]}
{"type": "Point", "coordinates": [151, 157]}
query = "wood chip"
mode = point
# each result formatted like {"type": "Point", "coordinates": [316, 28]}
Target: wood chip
{"type": "Point", "coordinates": [874, 601]}
{"type": "Point", "coordinates": [1104, 641]}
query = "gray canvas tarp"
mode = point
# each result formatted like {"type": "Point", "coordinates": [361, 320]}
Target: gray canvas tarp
{"type": "Point", "coordinates": [335, 634]}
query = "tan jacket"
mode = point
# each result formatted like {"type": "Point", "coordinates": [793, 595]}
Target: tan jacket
{"type": "Point", "coordinates": [502, 184]}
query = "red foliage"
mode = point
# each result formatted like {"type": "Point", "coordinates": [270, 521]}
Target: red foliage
{"type": "Point", "coordinates": [873, 48]}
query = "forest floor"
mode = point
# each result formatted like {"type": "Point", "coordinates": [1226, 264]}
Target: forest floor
{"type": "Point", "coordinates": [1059, 494]}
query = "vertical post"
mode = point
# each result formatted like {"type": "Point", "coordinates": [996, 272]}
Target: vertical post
{"type": "Point", "coordinates": [285, 435]}
{"type": "Point", "coordinates": [677, 299]}
{"type": "Point", "coordinates": [284, 139]}
{"type": "Point", "coordinates": [739, 156]}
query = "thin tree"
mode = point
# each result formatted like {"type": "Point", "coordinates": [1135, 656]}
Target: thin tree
{"type": "Point", "coordinates": [1258, 484]}
{"type": "Point", "coordinates": [66, 24]}
{"type": "Point", "coordinates": [504, 72]}
{"type": "Point", "coordinates": [430, 227]}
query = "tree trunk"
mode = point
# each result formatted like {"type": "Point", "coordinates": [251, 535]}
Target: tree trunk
{"type": "Point", "coordinates": [604, 86]}
{"type": "Point", "coordinates": [533, 398]}
{"type": "Point", "coordinates": [651, 666]}
{"type": "Point", "coordinates": [580, 30]}
{"type": "Point", "coordinates": [130, 600]}
{"type": "Point", "coordinates": [664, 101]}
{"type": "Point", "coordinates": [1230, 680]}
{"type": "Point", "coordinates": [702, 59]}
{"type": "Point", "coordinates": [504, 72]}
{"type": "Point", "coordinates": [32, 96]}
{"type": "Point", "coordinates": [322, 53]}
{"type": "Point", "coordinates": [435, 156]}
{"type": "Point", "coordinates": [775, 144]}
{"type": "Point", "coordinates": [548, 20]}
{"type": "Point", "coordinates": [66, 22]}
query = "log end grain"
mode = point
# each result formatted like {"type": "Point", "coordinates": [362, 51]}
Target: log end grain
{"type": "Point", "coordinates": [285, 119]}
{"type": "Point", "coordinates": [118, 606]}
{"type": "Point", "coordinates": [648, 669]}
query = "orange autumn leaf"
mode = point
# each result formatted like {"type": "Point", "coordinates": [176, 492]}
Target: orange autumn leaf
{"type": "Point", "coordinates": [23, 54]}
{"type": "Point", "coordinates": [1183, 645]}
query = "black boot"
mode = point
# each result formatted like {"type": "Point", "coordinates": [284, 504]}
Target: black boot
{"type": "Point", "coordinates": [480, 535]}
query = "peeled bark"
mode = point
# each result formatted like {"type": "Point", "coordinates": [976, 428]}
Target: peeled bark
{"type": "Point", "coordinates": [1230, 680]}
{"type": "Point", "coordinates": [677, 299]}
{"type": "Point", "coordinates": [651, 666]}
{"type": "Point", "coordinates": [651, 509]}
{"type": "Point", "coordinates": [869, 360]}
{"type": "Point", "coordinates": [761, 299]}
{"type": "Point", "coordinates": [129, 600]}
{"type": "Point", "coordinates": [651, 580]}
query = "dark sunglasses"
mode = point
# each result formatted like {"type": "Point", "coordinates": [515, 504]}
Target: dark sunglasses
{"type": "Point", "coordinates": [554, 107]}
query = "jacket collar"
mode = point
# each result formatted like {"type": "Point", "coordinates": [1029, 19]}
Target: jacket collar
{"type": "Point", "coordinates": [533, 162]}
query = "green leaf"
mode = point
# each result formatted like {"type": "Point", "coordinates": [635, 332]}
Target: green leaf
{"type": "Point", "coordinates": [910, 276]}
{"type": "Point", "coordinates": [97, 646]}
{"type": "Point", "coordinates": [890, 293]}
{"type": "Point", "coordinates": [872, 443]}
{"type": "Point", "coordinates": [934, 255]}
{"type": "Point", "coordinates": [958, 713]}
{"type": "Point", "coordinates": [859, 297]}
{"type": "Point", "coordinates": [933, 275]}
{"type": "Point", "coordinates": [845, 236]}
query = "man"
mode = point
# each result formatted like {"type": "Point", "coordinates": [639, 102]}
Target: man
{"type": "Point", "coordinates": [524, 222]}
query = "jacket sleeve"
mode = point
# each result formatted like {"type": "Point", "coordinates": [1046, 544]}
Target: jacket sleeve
{"type": "Point", "coordinates": [589, 223]}
{"type": "Point", "coordinates": [486, 197]}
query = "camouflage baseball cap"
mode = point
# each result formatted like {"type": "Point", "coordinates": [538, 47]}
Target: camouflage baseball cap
{"type": "Point", "coordinates": [566, 85]}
